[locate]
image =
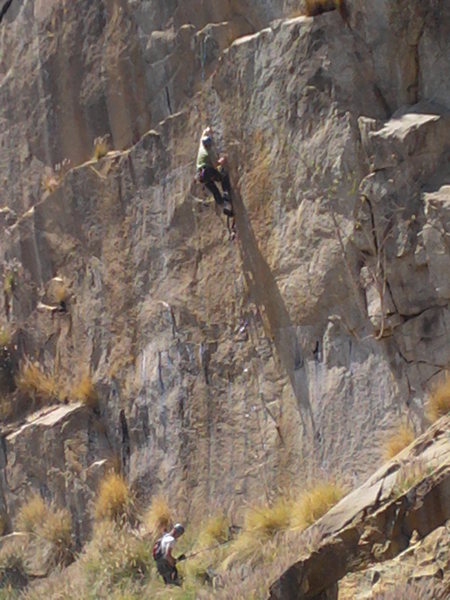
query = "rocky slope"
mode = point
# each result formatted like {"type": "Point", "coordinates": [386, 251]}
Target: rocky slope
{"type": "Point", "coordinates": [224, 371]}
{"type": "Point", "coordinates": [387, 539]}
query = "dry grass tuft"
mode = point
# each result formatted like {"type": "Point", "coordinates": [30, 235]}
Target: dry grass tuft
{"type": "Point", "coordinates": [5, 336]}
{"type": "Point", "coordinates": [262, 523]}
{"type": "Point", "coordinates": [42, 386]}
{"type": "Point", "coordinates": [266, 521]}
{"type": "Point", "coordinates": [315, 502]}
{"type": "Point", "coordinates": [13, 576]}
{"type": "Point", "coordinates": [57, 527]}
{"type": "Point", "coordinates": [101, 147]}
{"type": "Point", "coordinates": [84, 391]}
{"type": "Point", "coordinates": [317, 7]}
{"type": "Point", "coordinates": [409, 475]}
{"type": "Point", "coordinates": [438, 404]}
{"type": "Point", "coordinates": [32, 513]}
{"type": "Point", "coordinates": [48, 523]}
{"type": "Point", "coordinates": [214, 531]}
{"type": "Point", "coordinates": [398, 440]}
{"type": "Point", "coordinates": [114, 499]}
{"type": "Point", "coordinates": [158, 517]}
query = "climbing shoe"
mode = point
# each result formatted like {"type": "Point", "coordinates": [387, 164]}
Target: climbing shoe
{"type": "Point", "coordinates": [227, 208]}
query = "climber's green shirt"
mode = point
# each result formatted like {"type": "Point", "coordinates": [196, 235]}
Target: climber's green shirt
{"type": "Point", "coordinates": [206, 157]}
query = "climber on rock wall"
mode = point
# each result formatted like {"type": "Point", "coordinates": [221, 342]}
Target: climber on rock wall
{"type": "Point", "coordinates": [211, 169]}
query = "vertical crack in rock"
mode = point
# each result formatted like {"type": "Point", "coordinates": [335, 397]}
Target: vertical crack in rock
{"type": "Point", "coordinates": [262, 285]}
{"type": "Point", "coordinates": [169, 106]}
{"type": "Point", "coordinates": [125, 442]}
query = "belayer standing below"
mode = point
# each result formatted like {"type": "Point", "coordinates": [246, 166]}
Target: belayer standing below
{"type": "Point", "coordinates": [211, 169]}
{"type": "Point", "coordinates": [162, 553]}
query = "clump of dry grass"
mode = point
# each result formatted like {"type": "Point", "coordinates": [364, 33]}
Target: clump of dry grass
{"type": "Point", "coordinates": [409, 475]}
{"type": "Point", "coordinates": [13, 576]}
{"type": "Point", "coordinates": [114, 501]}
{"type": "Point", "coordinates": [398, 440]}
{"type": "Point", "coordinates": [158, 517]}
{"type": "Point", "coordinates": [57, 527]}
{"type": "Point", "coordinates": [101, 147]}
{"type": "Point", "coordinates": [60, 291]}
{"type": "Point", "coordinates": [42, 386]}
{"type": "Point", "coordinates": [266, 521]}
{"type": "Point", "coordinates": [5, 336]}
{"type": "Point", "coordinates": [438, 403]}
{"type": "Point", "coordinates": [262, 523]}
{"type": "Point", "coordinates": [9, 282]}
{"type": "Point", "coordinates": [32, 513]}
{"type": "Point", "coordinates": [317, 7]}
{"type": "Point", "coordinates": [49, 523]}
{"type": "Point", "coordinates": [214, 531]}
{"type": "Point", "coordinates": [315, 502]}
{"type": "Point", "coordinates": [84, 391]}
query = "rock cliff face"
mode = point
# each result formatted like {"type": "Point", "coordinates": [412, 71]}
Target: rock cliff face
{"type": "Point", "coordinates": [224, 370]}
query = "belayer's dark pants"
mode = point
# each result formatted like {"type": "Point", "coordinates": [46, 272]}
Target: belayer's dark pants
{"type": "Point", "coordinates": [210, 176]}
{"type": "Point", "coordinates": [167, 572]}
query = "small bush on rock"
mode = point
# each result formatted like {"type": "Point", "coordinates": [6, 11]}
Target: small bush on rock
{"type": "Point", "coordinates": [158, 518]}
{"type": "Point", "coordinates": [315, 502]}
{"type": "Point", "coordinates": [398, 440]}
{"type": "Point", "coordinates": [83, 391]}
{"type": "Point", "coordinates": [114, 499]}
{"type": "Point", "coordinates": [31, 514]}
{"type": "Point", "coordinates": [49, 523]}
{"type": "Point", "coordinates": [438, 403]}
{"type": "Point", "coordinates": [43, 387]}
{"type": "Point", "coordinates": [13, 575]}
{"type": "Point", "coordinates": [317, 7]}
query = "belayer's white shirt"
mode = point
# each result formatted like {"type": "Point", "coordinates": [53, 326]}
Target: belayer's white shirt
{"type": "Point", "coordinates": [167, 542]}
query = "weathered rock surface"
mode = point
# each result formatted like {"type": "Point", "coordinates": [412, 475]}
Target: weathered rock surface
{"type": "Point", "coordinates": [58, 454]}
{"type": "Point", "coordinates": [407, 501]}
{"type": "Point", "coordinates": [422, 568]}
{"type": "Point", "coordinates": [287, 352]}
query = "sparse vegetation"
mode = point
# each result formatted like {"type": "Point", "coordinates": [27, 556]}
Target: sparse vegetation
{"type": "Point", "coordinates": [13, 576]}
{"type": "Point", "coordinates": [9, 282]}
{"type": "Point", "coordinates": [214, 531]}
{"type": "Point", "coordinates": [49, 523]}
{"type": "Point", "coordinates": [114, 500]}
{"type": "Point", "coordinates": [43, 387]}
{"type": "Point", "coordinates": [84, 391]}
{"type": "Point", "coordinates": [101, 147]}
{"type": "Point", "coordinates": [409, 474]}
{"type": "Point", "coordinates": [32, 513]}
{"type": "Point", "coordinates": [317, 7]}
{"type": "Point", "coordinates": [158, 517]}
{"type": "Point", "coordinates": [266, 521]}
{"type": "Point", "coordinates": [398, 440]}
{"type": "Point", "coordinates": [57, 529]}
{"type": "Point", "coordinates": [438, 403]}
{"type": "Point", "coordinates": [5, 336]}
{"type": "Point", "coordinates": [315, 502]}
